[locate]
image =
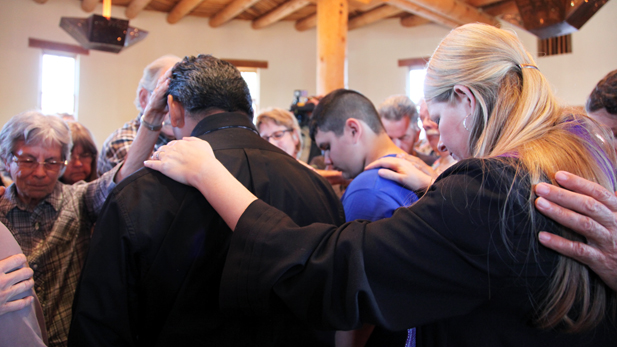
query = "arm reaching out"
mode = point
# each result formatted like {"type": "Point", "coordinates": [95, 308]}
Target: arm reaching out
{"type": "Point", "coordinates": [154, 114]}
{"type": "Point", "coordinates": [588, 209]}
{"type": "Point", "coordinates": [15, 278]}
{"type": "Point", "coordinates": [408, 171]}
{"type": "Point", "coordinates": [178, 160]}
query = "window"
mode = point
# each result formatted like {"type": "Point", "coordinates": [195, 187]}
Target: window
{"type": "Point", "coordinates": [251, 76]}
{"type": "Point", "coordinates": [415, 84]}
{"type": "Point", "coordinates": [58, 83]}
{"type": "Point", "coordinates": [250, 72]}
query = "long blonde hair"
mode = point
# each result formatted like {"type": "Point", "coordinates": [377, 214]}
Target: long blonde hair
{"type": "Point", "coordinates": [518, 115]}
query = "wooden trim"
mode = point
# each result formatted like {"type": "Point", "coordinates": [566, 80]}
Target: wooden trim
{"type": "Point", "coordinates": [259, 64]}
{"type": "Point", "coordinates": [414, 63]}
{"type": "Point", "coordinates": [57, 46]}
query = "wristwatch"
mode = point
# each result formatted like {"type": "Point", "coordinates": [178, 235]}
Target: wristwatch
{"type": "Point", "coordinates": [150, 126]}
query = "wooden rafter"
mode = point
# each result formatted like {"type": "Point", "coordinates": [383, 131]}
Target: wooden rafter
{"type": "Point", "coordinates": [136, 6]}
{"type": "Point", "coordinates": [181, 9]}
{"type": "Point", "coordinates": [457, 11]}
{"type": "Point", "coordinates": [307, 23]}
{"type": "Point", "coordinates": [279, 13]}
{"type": "Point", "coordinates": [230, 11]}
{"type": "Point", "coordinates": [423, 12]}
{"type": "Point", "coordinates": [89, 5]}
{"type": "Point", "coordinates": [372, 16]}
{"type": "Point", "coordinates": [412, 21]}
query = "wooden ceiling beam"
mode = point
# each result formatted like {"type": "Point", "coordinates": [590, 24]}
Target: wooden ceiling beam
{"type": "Point", "coordinates": [89, 5]}
{"type": "Point", "coordinates": [307, 23]}
{"type": "Point", "coordinates": [423, 12]}
{"type": "Point", "coordinates": [279, 13]}
{"type": "Point", "coordinates": [481, 3]}
{"type": "Point", "coordinates": [413, 21]}
{"type": "Point", "coordinates": [372, 16]}
{"type": "Point", "coordinates": [230, 11]}
{"type": "Point", "coordinates": [183, 8]}
{"type": "Point", "coordinates": [136, 6]}
{"type": "Point", "coordinates": [457, 11]}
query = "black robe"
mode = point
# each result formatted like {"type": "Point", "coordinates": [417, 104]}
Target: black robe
{"type": "Point", "coordinates": [152, 273]}
{"type": "Point", "coordinates": [441, 265]}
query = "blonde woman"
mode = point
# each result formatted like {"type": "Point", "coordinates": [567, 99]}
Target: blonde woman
{"type": "Point", "coordinates": [462, 264]}
{"type": "Point", "coordinates": [280, 128]}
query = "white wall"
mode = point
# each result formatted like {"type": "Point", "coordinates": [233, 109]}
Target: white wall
{"type": "Point", "coordinates": [108, 81]}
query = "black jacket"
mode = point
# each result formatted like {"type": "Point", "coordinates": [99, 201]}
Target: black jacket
{"type": "Point", "coordinates": [152, 273]}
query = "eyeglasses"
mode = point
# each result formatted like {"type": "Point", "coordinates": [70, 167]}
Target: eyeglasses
{"type": "Point", "coordinates": [30, 164]}
{"type": "Point", "coordinates": [277, 135]}
{"type": "Point", "coordinates": [85, 157]}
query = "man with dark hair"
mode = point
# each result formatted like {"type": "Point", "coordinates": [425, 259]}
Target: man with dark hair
{"type": "Point", "coordinates": [400, 119]}
{"type": "Point", "coordinates": [346, 126]}
{"type": "Point", "coordinates": [152, 277]}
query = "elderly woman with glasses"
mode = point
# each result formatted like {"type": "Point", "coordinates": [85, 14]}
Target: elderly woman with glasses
{"type": "Point", "coordinates": [280, 128]}
{"type": "Point", "coordinates": [50, 220]}
{"type": "Point", "coordinates": [463, 264]}
{"type": "Point", "coordinates": [82, 165]}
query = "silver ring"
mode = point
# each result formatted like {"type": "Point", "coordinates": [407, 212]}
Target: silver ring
{"type": "Point", "coordinates": [156, 155]}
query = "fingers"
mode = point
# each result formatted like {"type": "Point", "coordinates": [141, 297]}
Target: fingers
{"type": "Point", "coordinates": [16, 305]}
{"type": "Point", "coordinates": [570, 208]}
{"type": "Point", "coordinates": [577, 250]}
{"type": "Point", "coordinates": [153, 164]}
{"type": "Point", "coordinates": [13, 262]}
{"type": "Point", "coordinates": [391, 175]}
{"type": "Point", "coordinates": [585, 187]}
{"type": "Point", "coordinates": [586, 226]}
{"type": "Point", "coordinates": [387, 163]}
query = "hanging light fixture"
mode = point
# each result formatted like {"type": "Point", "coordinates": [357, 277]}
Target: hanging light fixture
{"type": "Point", "coordinates": [103, 33]}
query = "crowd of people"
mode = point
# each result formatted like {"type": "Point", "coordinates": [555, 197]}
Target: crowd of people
{"type": "Point", "coordinates": [504, 233]}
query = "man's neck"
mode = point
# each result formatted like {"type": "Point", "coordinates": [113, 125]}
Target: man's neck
{"type": "Point", "coordinates": [381, 146]}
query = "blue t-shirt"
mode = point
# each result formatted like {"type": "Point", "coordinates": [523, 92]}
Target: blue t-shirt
{"type": "Point", "coordinates": [371, 197]}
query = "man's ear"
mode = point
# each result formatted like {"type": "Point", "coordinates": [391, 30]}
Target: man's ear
{"type": "Point", "coordinates": [176, 112]}
{"type": "Point", "coordinates": [464, 94]}
{"type": "Point", "coordinates": [354, 127]}
{"type": "Point", "coordinates": [144, 96]}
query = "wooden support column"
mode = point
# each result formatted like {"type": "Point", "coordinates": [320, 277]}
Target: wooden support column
{"type": "Point", "coordinates": [331, 45]}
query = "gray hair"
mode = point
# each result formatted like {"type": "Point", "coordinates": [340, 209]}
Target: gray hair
{"type": "Point", "coordinates": [398, 106]}
{"type": "Point", "coordinates": [152, 73]}
{"type": "Point", "coordinates": [34, 128]}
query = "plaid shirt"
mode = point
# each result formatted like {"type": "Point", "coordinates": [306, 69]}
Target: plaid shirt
{"type": "Point", "coordinates": [55, 235]}
{"type": "Point", "coordinates": [117, 145]}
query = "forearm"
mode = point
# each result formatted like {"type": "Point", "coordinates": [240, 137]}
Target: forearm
{"type": "Point", "coordinates": [224, 192]}
{"type": "Point", "coordinates": [140, 150]}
